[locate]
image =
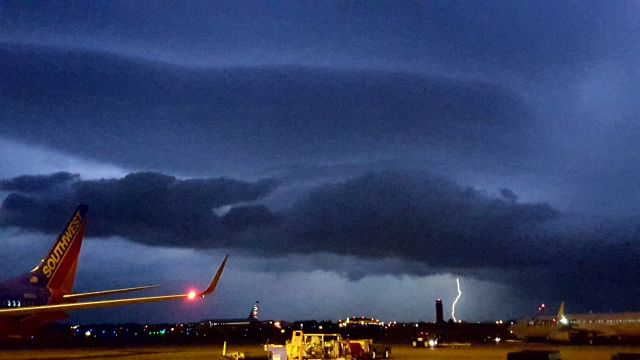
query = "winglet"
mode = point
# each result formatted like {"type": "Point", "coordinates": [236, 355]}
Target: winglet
{"type": "Point", "coordinates": [216, 278]}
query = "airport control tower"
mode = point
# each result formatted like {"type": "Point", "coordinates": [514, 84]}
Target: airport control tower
{"type": "Point", "coordinates": [439, 312]}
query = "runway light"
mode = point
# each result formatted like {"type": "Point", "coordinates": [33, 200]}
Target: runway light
{"type": "Point", "coordinates": [192, 295]}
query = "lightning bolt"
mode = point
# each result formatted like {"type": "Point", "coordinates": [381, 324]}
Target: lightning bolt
{"type": "Point", "coordinates": [453, 306]}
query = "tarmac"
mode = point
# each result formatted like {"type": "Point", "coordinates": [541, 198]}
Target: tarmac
{"type": "Point", "coordinates": [399, 352]}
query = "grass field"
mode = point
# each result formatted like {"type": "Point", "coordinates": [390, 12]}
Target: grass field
{"type": "Point", "coordinates": [487, 352]}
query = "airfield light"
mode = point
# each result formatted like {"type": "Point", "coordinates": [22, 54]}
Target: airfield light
{"type": "Point", "coordinates": [191, 295]}
{"type": "Point", "coordinates": [542, 308]}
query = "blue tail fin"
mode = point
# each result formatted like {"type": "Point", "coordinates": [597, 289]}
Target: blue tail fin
{"type": "Point", "coordinates": [253, 315]}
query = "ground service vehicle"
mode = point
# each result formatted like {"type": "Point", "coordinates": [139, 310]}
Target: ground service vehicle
{"type": "Point", "coordinates": [317, 346]}
{"type": "Point", "coordinates": [276, 352]}
{"type": "Point", "coordinates": [367, 349]}
{"type": "Point", "coordinates": [424, 339]}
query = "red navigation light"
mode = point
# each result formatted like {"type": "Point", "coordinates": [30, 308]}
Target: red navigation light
{"type": "Point", "coordinates": [542, 308]}
{"type": "Point", "coordinates": [191, 295]}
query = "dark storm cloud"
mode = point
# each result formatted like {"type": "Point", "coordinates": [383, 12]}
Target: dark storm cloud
{"type": "Point", "coordinates": [586, 270]}
{"type": "Point", "coordinates": [508, 194]}
{"type": "Point", "coordinates": [573, 65]}
{"type": "Point", "coordinates": [398, 214]}
{"type": "Point", "coordinates": [239, 218]}
{"type": "Point", "coordinates": [148, 207]}
{"type": "Point", "coordinates": [160, 116]}
{"type": "Point", "coordinates": [416, 217]}
{"type": "Point", "coordinates": [526, 36]}
{"type": "Point", "coordinates": [408, 215]}
{"type": "Point", "coordinates": [36, 183]}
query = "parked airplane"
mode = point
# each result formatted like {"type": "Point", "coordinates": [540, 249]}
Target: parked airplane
{"type": "Point", "coordinates": [251, 319]}
{"type": "Point", "coordinates": [588, 328]}
{"type": "Point", "coordinates": [45, 294]}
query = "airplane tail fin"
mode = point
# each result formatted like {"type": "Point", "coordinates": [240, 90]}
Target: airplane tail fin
{"type": "Point", "coordinates": [561, 310]}
{"type": "Point", "coordinates": [57, 270]}
{"type": "Point", "coordinates": [562, 319]}
{"type": "Point", "coordinates": [253, 315]}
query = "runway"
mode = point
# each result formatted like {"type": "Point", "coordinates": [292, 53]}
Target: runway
{"type": "Point", "coordinates": [400, 352]}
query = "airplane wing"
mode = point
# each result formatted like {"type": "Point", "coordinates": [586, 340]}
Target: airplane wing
{"type": "Point", "coordinates": [25, 311]}
{"type": "Point", "coordinates": [78, 296]}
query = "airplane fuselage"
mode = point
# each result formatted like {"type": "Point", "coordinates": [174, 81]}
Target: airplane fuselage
{"type": "Point", "coordinates": [580, 327]}
{"type": "Point", "coordinates": [15, 297]}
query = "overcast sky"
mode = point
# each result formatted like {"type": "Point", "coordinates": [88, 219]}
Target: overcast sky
{"type": "Point", "coordinates": [336, 150]}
